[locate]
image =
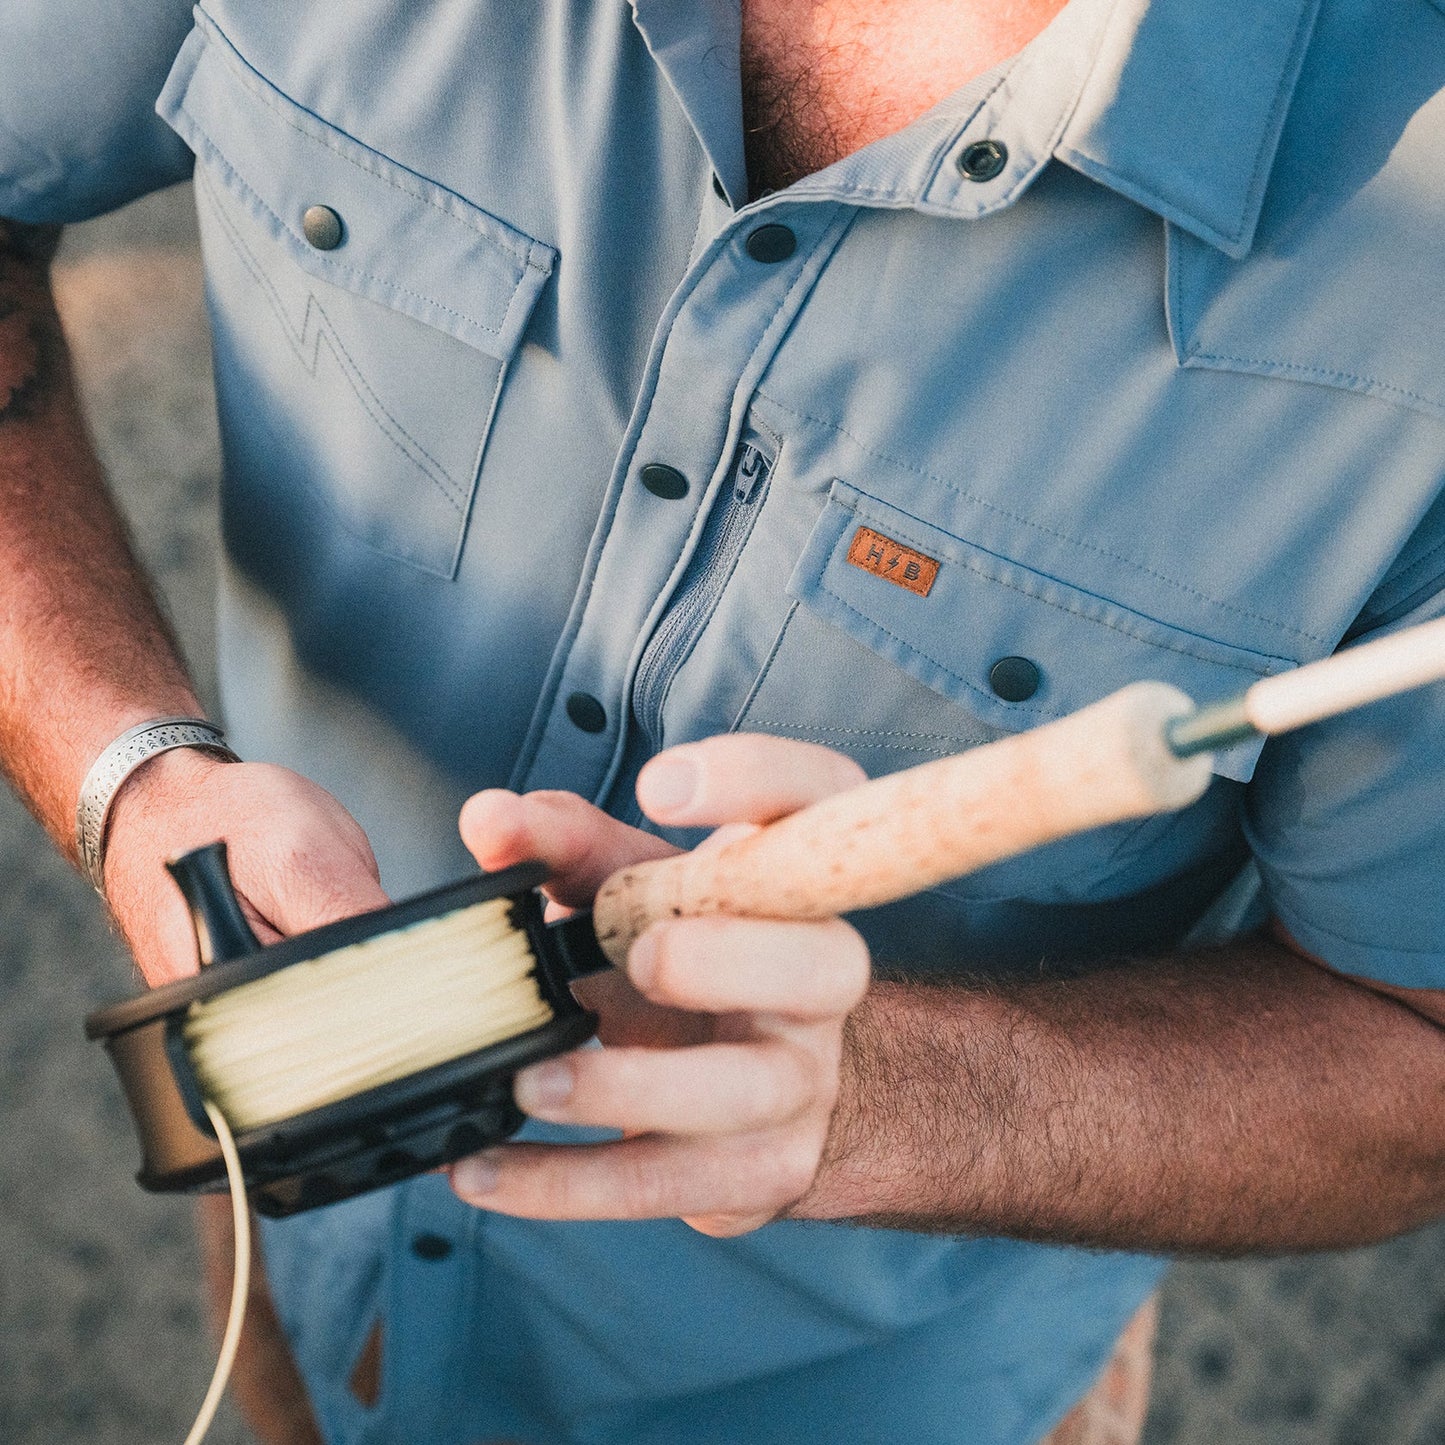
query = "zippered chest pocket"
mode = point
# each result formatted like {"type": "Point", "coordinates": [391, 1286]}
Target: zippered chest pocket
{"type": "Point", "coordinates": [695, 599]}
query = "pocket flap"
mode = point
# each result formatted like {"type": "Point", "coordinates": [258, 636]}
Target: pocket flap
{"type": "Point", "coordinates": [406, 242]}
{"type": "Point", "coordinates": [949, 613]}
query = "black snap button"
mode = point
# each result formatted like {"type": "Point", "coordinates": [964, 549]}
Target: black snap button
{"type": "Point", "coordinates": [717, 187]}
{"type": "Point", "coordinates": [1014, 679]}
{"type": "Point", "coordinates": [431, 1247]}
{"type": "Point", "coordinates": [322, 227]}
{"type": "Point", "coordinates": [586, 712]}
{"type": "Point", "coordinates": [983, 160]}
{"type": "Point", "coordinates": [664, 481]}
{"type": "Point", "coordinates": [771, 243]}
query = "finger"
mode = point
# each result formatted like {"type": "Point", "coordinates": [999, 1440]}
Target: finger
{"type": "Point", "coordinates": [627, 1018]}
{"type": "Point", "coordinates": [578, 843]}
{"type": "Point", "coordinates": [741, 778]}
{"type": "Point", "coordinates": [803, 971]}
{"type": "Point", "coordinates": [712, 1089]}
{"type": "Point", "coordinates": [649, 1177]}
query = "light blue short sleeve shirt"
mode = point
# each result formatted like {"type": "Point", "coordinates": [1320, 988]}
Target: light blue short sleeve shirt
{"type": "Point", "coordinates": [547, 448]}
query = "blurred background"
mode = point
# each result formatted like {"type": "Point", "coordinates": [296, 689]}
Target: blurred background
{"type": "Point", "coordinates": [101, 1334]}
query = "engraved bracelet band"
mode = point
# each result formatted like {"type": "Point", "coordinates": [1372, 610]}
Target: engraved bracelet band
{"type": "Point", "coordinates": [116, 764]}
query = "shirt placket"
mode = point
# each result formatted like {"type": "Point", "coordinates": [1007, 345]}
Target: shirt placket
{"type": "Point", "coordinates": [715, 340]}
{"type": "Point", "coordinates": [720, 331]}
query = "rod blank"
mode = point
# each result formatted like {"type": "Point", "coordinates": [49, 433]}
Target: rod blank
{"type": "Point", "coordinates": [1349, 679]}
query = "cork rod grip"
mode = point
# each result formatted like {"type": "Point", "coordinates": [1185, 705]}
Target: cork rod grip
{"type": "Point", "coordinates": [911, 830]}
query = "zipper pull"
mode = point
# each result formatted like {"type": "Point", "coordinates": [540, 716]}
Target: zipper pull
{"type": "Point", "coordinates": [751, 471]}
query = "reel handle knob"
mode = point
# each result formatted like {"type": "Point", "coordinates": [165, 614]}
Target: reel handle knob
{"type": "Point", "coordinates": [204, 879]}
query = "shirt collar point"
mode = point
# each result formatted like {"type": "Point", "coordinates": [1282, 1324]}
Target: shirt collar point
{"type": "Point", "coordinates": [1231, 234]}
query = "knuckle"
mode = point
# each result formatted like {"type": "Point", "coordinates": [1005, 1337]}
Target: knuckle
{"type": "Point", "coordinates": [667, 974]}
{"type": "Point", "coordinates": [554, 1190]}
{"type": "Point", "coordinates": [644, 1187]}
{"type": "Point", "coordinates": [604, 1079]}
{"type": "Point", "coordinates": [791, 1083]}
{"type": "Point", "coordinates": [555, 800]}
{"type": "Point", "coordinates": [851, 963]}
{"type": "Point", "coordinates": [794, 1168]}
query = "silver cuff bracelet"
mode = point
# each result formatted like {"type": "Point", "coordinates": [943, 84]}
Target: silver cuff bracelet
{"type": "Point", "coordinates": [116, 763]}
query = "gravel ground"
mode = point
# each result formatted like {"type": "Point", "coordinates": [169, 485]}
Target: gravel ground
{"type": "Point", "coordinates": [101, 1339]}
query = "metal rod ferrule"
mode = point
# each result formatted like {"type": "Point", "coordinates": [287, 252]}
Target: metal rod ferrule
{"type": "Point", "coordinates": [1210, 729]}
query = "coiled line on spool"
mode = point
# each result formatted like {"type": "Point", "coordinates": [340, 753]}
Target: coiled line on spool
{"type": "Point", "coordinates": [365, 1015]}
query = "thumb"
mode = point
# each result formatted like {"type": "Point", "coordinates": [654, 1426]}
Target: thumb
{"type": "Point", "coordinates": [741, 778]}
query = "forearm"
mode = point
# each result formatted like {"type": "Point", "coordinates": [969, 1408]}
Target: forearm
{"type": "Point", "coordinates": [84, 650]}
{"type": "Point", "coordinates": [1241, 1099]}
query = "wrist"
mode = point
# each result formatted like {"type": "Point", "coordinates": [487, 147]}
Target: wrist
{"type": "Point", "coordinates": [128, 769]}
{"type": "Point", "coordinates": [909, 1142]}
{"type": "Point", "coordinates": [163, 781]}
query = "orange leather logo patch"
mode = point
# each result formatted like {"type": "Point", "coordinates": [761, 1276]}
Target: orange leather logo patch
{"type": "Point", "coordinates": [892, 561]}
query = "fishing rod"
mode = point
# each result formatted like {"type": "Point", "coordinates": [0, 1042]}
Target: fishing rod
{"type": "Point", "coordinates": [372, 1049]}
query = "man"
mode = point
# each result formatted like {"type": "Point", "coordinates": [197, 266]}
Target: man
{"type": "Point", "coordinates": [928, 375]}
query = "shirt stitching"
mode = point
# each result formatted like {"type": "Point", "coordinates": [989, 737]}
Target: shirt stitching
{"type": "Point", "coordinates": [259, 87]}
{"type": "Point", "coordinates": [1059, 607]}
{"type": "Point", "coordinates": [962, 561]}
{"type": "Point", "coordinates": [607, 516]}
{"type": "Point", "coordinates": [762, 677]}
{"type": "Point", "coordinates": [949, 738]}
{"type": "Point", "coordinates": [701, 521]}
{"type": "Point", "coordinates": [394, 286]}
{"type": "Point", "coordinates": [1348, 379]}
{"type": "Point", "coordinates": [928, 657]}
{"type": "Point", "coordinates": [1404, 579]}
{"type": "Point", "coordinates": [383, 420]}
{"type": "Point", "coordinates": [1047, 531]}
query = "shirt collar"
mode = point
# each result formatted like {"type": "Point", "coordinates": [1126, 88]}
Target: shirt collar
{"type": "Point", "coordinates": [1176, 104]}
{"type": "Point", "coordinates": [1184, 106]}
{"type": "Point", "coordinates": [695, 44]}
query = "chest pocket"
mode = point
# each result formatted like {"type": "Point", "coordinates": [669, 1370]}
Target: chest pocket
{"type": "Point", "coordinates": [906, 642]}
{"type": "Point", "coordinates": [363, 317]}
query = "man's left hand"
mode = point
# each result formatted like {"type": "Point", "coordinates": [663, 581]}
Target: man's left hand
{"type": "Point", "coordinates": [724, 1035]}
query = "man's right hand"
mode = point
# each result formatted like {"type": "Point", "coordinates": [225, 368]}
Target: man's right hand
{"type": "Point", "coordinates": [297, 857]}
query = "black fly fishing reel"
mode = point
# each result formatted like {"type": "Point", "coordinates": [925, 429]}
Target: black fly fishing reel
{"type": "Point", "coordinates": [352, 1056]}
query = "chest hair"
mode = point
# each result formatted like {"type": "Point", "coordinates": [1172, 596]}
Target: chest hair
{"type": "Point", "coordinates": [823, 78]}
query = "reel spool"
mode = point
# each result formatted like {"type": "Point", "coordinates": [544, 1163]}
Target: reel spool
{"type": "Point", "coordinates": [352, 1056]}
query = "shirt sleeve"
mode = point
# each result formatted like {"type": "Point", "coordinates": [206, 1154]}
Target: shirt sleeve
{"type": "Point", "coordinates": [1347, 817]}
{"type": "Point", "coordinates": [78, 84]}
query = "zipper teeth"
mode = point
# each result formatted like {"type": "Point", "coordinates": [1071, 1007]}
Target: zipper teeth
{"type": "Point", "coordinates": [693, 607]}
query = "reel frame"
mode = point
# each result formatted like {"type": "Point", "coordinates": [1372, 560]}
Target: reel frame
{"type": "Point", "coordinates": [368, 1140]}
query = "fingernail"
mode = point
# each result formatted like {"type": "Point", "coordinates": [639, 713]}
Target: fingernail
{"type": "Point", "coordinates": [476, 1175]}
{"type": "Point", "coordinates": [543, 1086]}
{"type": "Point", "coordinates": [667, 784]}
